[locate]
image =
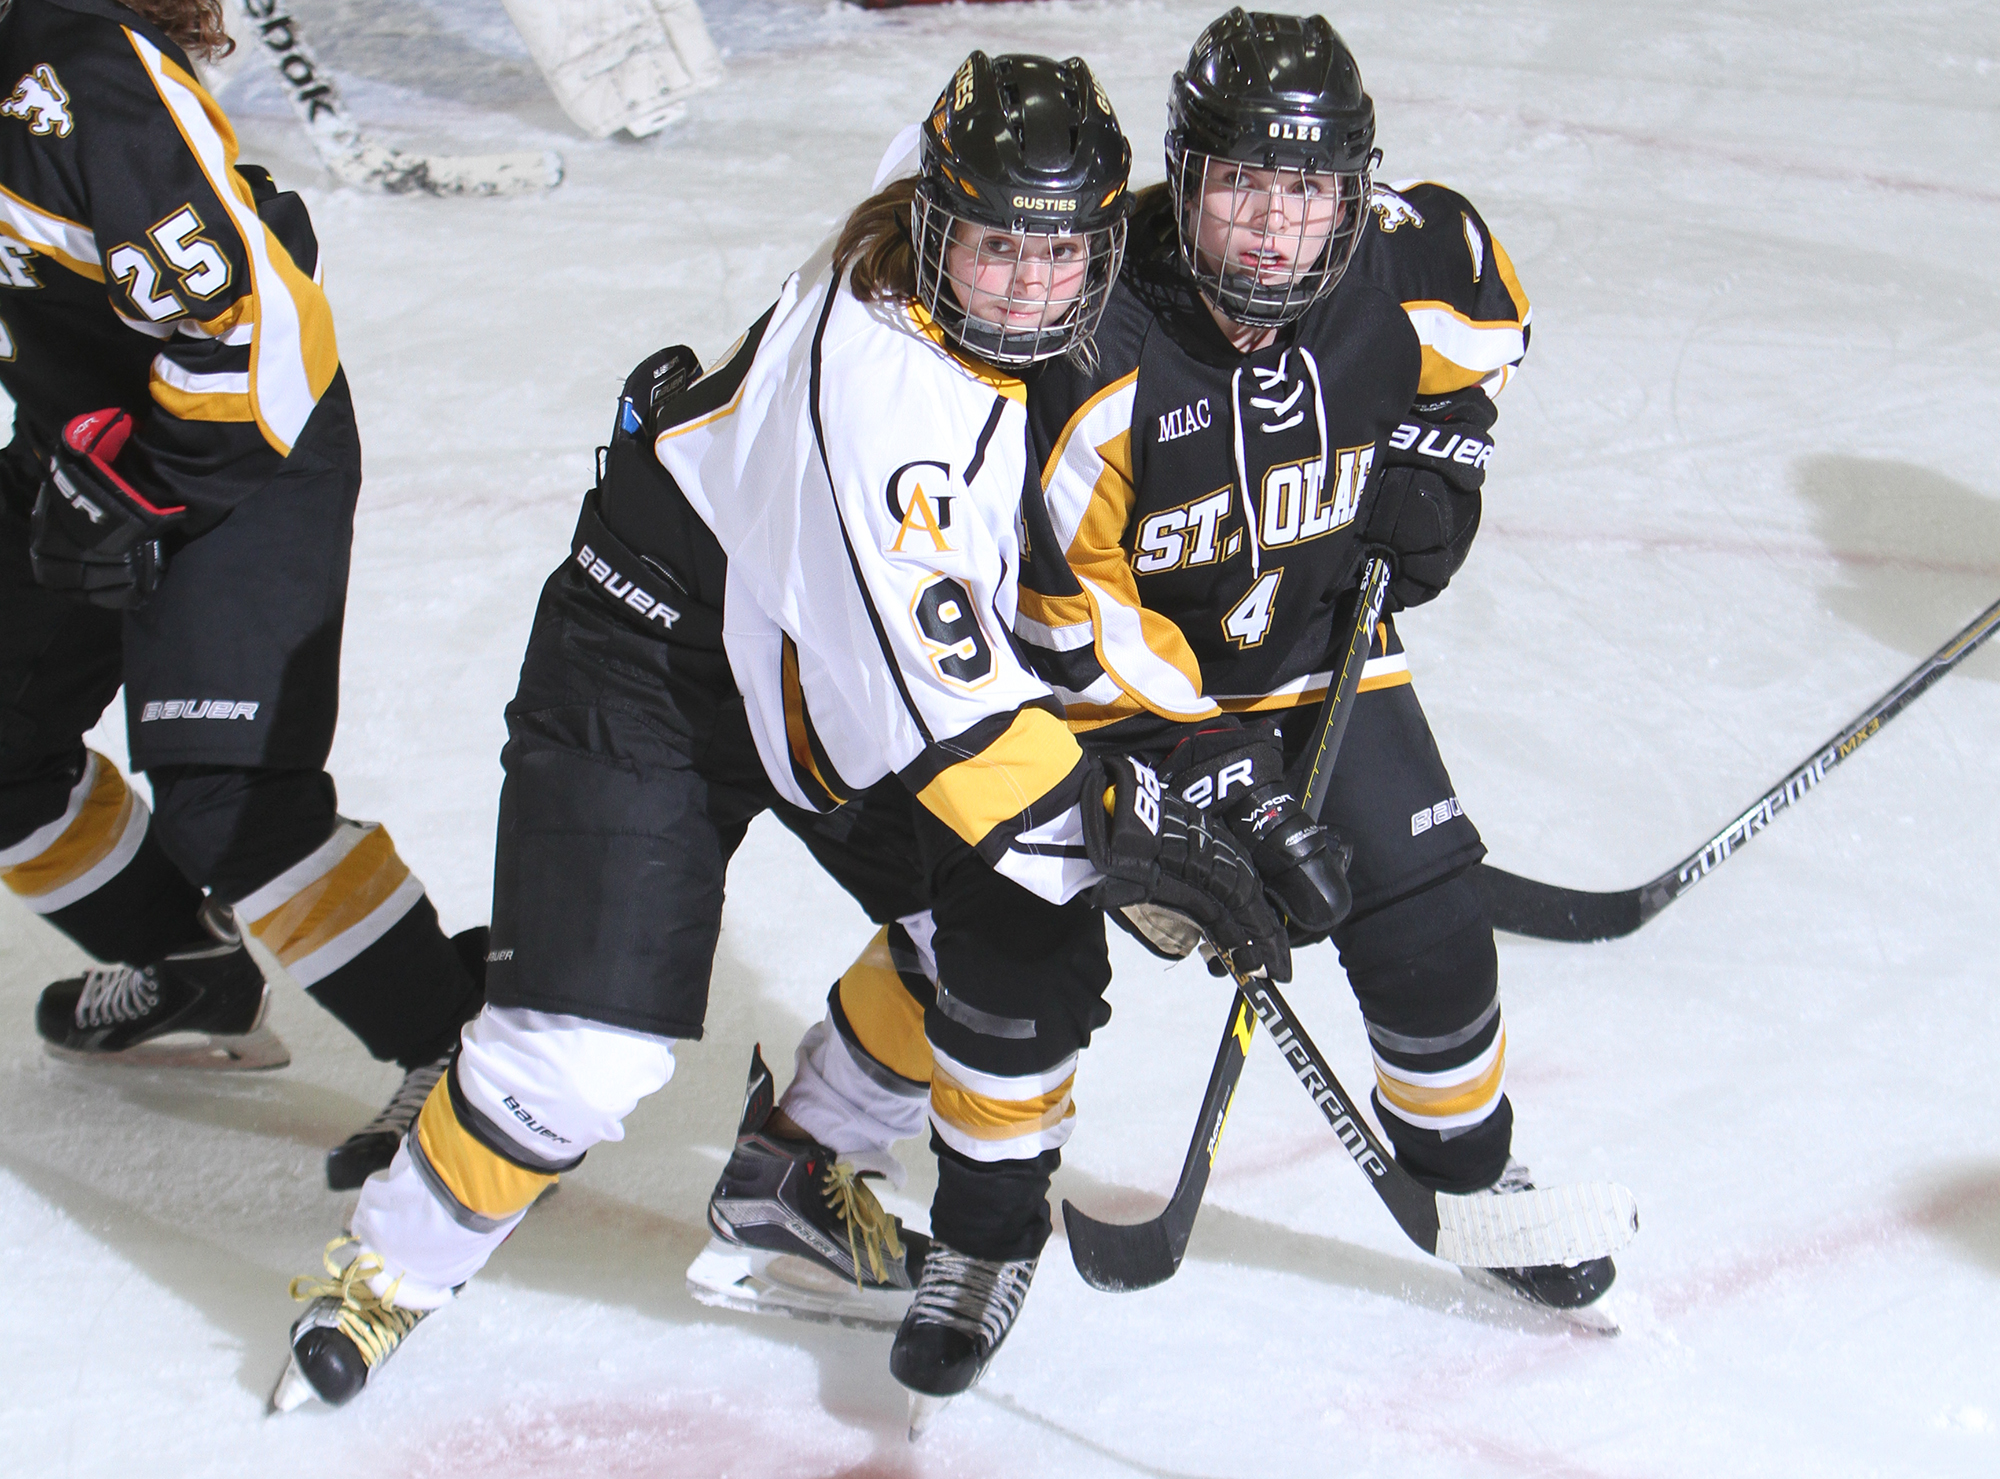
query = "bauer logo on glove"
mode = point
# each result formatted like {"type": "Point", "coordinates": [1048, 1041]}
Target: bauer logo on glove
{"type": "Point", "coordinates": [93, 533]}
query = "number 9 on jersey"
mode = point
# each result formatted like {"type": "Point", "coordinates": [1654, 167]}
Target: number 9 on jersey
{"type": "Point", "coordinates": [950, 628]}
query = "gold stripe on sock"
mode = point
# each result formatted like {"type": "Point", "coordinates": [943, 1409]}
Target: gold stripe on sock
{"type": "Point", "coordinates": [886, 1019]}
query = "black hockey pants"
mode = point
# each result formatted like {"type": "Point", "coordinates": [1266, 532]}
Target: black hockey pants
{"type": "Point", "coordinates": [632, 777]}
{"type": "Point", "coordinates": [231, 678]}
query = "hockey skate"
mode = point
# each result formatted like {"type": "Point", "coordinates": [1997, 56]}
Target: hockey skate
{"type": "Point", "coordinates": [371, 1148]}
{"type": "Point", "coordinates": [202, 1007]}
{"type": "Point", "coordinates": [1572, 1291]}
{"type": "Point", "coordinates": [962, 1312]}
{"type": "Point", "coordinates": [346, 1332]}
{"type": "Point", "coordinates": [798, 1232]}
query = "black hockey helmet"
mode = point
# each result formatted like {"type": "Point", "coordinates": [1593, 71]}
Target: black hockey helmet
{"type": "Point", "coordinates": [1023, 163]}
{"type": "Point", "coordinates": [1277, 93]}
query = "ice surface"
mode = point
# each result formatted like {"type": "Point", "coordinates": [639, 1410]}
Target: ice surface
{"type": "Point", "coordinates": [1747, 479]}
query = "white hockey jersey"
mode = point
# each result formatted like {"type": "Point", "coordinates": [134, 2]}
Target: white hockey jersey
{"type": "Point", "coordinates": [865, 483]}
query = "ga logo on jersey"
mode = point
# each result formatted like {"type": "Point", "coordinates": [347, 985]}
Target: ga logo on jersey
{"type": "Point", "coordinates": [1391, 210]}
{"type": "Point", "coordinates": [40, 101]}
{"type": "Point", "coordinates": [917, 513]}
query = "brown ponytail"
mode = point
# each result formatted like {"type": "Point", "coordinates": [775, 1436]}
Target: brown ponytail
{"type": "Point", "coordinates": [875, 242]}
{"type": "Point", "coordinates": [193, 25]}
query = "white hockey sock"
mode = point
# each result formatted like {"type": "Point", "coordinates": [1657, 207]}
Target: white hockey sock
{"type": "Point", "coordinates": [549, 1087]}
{"type": "Point", "coordinates": [850, 1110]}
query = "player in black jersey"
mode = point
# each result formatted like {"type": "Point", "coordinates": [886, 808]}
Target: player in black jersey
{"type": "Point", "coordinates": [1298, 367]}
{"type": "Point", "coordinates": [176, 509]}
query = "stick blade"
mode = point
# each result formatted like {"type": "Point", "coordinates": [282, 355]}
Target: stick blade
{"type": "Point", "coordinates": [373, 167]}
{"type": "Point", "coordinates": [1543, 1225]}
{"type": "Point", "coordinates": [1120, 1257]}
{"type": "Point", "coordinates": [1543, 911]}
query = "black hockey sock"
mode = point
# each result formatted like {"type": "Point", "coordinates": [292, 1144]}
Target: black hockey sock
{"type": "Point", "coordinates": [1470, 1160]}
{"type": "Point", "coordinates": [407, 995]}
{"type": "Point", "coordinates": [1426, 974]}
{"type": "Point", "coordinates": [992, 1209]}
{"type": "Point", "coordinates": [78, 847]}
{"type": "Point", "coordinates": [233, 828]}
{"type": "Point", "coordinates": [148, 910]}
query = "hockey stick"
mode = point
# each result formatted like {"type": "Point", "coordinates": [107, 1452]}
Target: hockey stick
{"type": "Point", "coordinates": [351, 159]}
{"type": "Point", "coordinates": [1523, 1229]}
{"type": "Point", "coordinates": [1118, 1256]}
{"type": "Point", "coordinates": [1522, 906]}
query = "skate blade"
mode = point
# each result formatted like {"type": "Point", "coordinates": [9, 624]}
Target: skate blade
{"type": "Point", "coordinates": [255, 1051]}
{"type": "Point", "coordinates": [923, 1412]}
{"type": "Point", "coordinates": [726, 1276]}
{"type": "Point", "coordinates": [292, 1390]}
{"type": "Point", "coordinates": [1595, 1318]}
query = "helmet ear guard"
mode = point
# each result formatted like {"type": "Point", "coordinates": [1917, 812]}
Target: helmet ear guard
{"type": "Point", "coordinates": [1279, 95]}
{"type": "Point", "coordinates": [1018, 221]}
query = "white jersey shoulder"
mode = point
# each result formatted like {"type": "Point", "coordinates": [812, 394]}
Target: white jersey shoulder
{"type": "Point", "coordinates": [865, 484]}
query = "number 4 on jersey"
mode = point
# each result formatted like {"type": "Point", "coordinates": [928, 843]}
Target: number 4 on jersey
{"type": "Point", "coordinates": [1250, 618]}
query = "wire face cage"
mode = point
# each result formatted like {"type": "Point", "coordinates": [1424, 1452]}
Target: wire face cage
{"type": "Point", "coordinates": [1012, 297]}
{"type": "Point", "coordinates": [1265, 244]}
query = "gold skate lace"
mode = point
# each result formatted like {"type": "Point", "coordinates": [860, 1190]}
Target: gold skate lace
{"type": "Point", "coordinates": [372, 1321]}
{"type": "Point", "coordinates": [870, 1230]}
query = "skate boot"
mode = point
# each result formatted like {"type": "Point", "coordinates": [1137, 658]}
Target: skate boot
{"type": "Point", "coordinates": [345, 1333]}
{"type": "Point", "coordinates": [200, 1007]}
{"type": "Point", "coordinates": [962, 1311]}
{"type": "Point", "coordinates": [798, 1232]}
{"type": "Point", "coordinates": [371, 1148]}
{"type": "Point", "coordinates": [1572, 1290]}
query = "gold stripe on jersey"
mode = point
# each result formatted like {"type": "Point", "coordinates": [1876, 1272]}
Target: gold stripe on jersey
{"type": "Point", "coordinates": [979, 370]}
{"type": "Point", "coordinates": [1504, 264]}
{"type": "Point", "coordinates": [989, 1117]}
{"type": "Point", "coordinates": [1054, 612]}
{"type": "Point", "coordinates": [57, 237]}
{"type": "Point", "coordinates": [727, 409]}
{"type": "Point", "coordinates": [1460, 351]}
{"type": "Point", "coordinates": [483, 1183]}
{"type": "Point", "coordinates": [322, 912]}
{"type": "Point", "coordinates": [1124, 382]}
{"type": "Point", "coordinates": [1141, 651]}
{"type": "Point", "coordinates": [221, 397]}
{"type": "Point", "coordinates": [1386, 670]}
{"type": "Point", "coordinates": [886, 1020]}
{"type": "Point", "coordinates": [1449, 1100]}
{"type": "Point", "coordinates": [82, 850]}
{"type": "Point", "coordinates": [1383, 669]}
{"type": "Point", "coordinates": [294, 357]}
{"type": "Point", "coordinates": [799, 739]}
{"type": "Point", "coordinates": [1030, 758]}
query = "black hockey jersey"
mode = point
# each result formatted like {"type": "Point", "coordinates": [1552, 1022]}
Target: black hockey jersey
{"type": "Point", "coordinates": [135, 267]}
{"type": "Point", "coordinates": [1198, 517]}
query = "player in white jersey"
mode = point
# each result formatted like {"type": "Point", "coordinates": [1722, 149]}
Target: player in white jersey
{"type": "Point", "coordinates": [792, 590]}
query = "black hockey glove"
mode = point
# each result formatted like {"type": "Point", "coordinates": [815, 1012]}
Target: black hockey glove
{"type": "Point", "coordinates": [93, 533]}
{"type": "Point", "coordinates": [1426, 524]}
{"type": "Point", "coordinates": [1238, 776]}
{"type": "Point", "coordinates": [1155, 849]}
